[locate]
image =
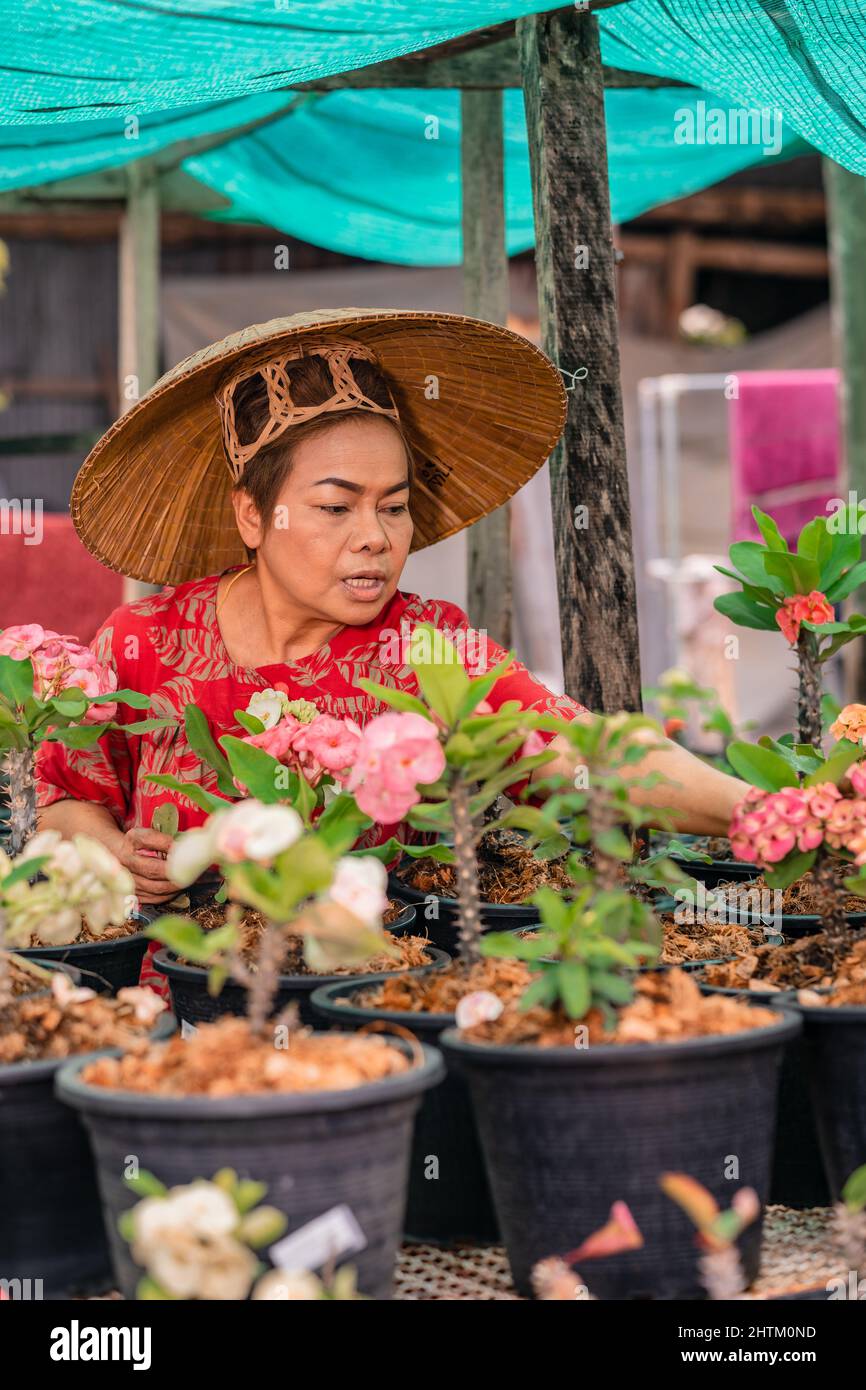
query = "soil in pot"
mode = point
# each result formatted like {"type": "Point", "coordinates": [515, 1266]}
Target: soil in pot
{"type": "Point", "coordinates": [449, 1194]}
{"type": "Point", "coordinates": [722, 866]}
{"type": "Point", "coordinates": [687, 942]}
{"type": "Point", "coordinates": [509, 874]}
{"type": "Point", "coordinates": [193, 1003]}
{"type": "Point", "coordinates": [323, 1121]}
{"type": "Point", "coordinates": [51, 1226]}
{"type": "Point", "coordinates": [681, 1083]}
{"type": "Point", "coordinates": [800, 903]}
{"type": "Point", "coordinates": [805, 964]}
{"type": "Point", "coordinates": [108, 962]}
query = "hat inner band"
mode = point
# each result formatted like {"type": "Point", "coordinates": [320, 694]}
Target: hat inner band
{"type": "Point", "coordinates": [282, 411]}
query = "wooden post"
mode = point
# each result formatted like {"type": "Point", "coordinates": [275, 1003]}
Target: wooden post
{"type": "Point", "coordinates": [846, 218]}
{"type": "Point", "coordinates": [564, 95]}
{"type": "Point", "coordinates": [138, 302]}
{"type": "Point", "coordinates": [485, 296]}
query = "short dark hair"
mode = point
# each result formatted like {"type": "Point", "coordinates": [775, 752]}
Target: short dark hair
{"type": "Point", "coordinates": [311, 384]}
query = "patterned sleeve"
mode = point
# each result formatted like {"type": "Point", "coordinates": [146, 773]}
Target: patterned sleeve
{"type": "Point", "coordinates": [103, 773]}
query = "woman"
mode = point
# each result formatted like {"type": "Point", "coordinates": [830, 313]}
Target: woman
{"type": "Point", "coordinates": [333, 440]}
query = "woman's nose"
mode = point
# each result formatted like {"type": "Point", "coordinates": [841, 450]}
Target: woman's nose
{"type": "Point", "coordinates": [370, 535]}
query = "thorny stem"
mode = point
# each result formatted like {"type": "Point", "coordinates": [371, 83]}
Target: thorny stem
{"type": "Point", "coordinates": [261, 984]}
{"type": "Point", "coordinates": [809, 693]}
{"type": "Point", "coordinates": [831, 903]}
{"type": "Point", "coordinates": [466, 874]}
{"type": "Point", "coordinates": [18, 766]}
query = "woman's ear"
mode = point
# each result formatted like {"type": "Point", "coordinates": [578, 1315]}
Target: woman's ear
{"type": "Point", "coordinates": [247, 517]}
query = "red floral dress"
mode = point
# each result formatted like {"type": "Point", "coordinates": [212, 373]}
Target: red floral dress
{"type": "Point", "coordinates": [169, 646]}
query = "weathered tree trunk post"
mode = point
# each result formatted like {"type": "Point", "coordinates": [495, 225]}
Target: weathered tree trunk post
{"type": "Point", "coordinates": [846, 217]}
{"type": "Point", "coordinates": [138, 302]}
{"type": "Point", "coordinates": [485, 296]}
{"type": "Point", "coordinates": [564, 94]}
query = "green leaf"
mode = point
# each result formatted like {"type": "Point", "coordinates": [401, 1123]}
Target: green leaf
{"type": "Point", "coordinates": [802, 758]}
{"type": "Point", "coordinates": [126, 1226]}
{"type": "Point", "coordinates": [79, 736]}
{"type": "Point", "coordinates": [133, 698]}
{"type": "Point", "coordinates": [614, 843]}
{"type": "Point", "coordinates": [444, 683]}
{"type": "Point", "coordinates": [616, 988]}
{"type": "Point", "coordinates": [143, 726]}
{"type": "Point", "coordinates": [745, 613]}
{"type": "Point", "coordinates": [815, 542]}
{"type": "Point", "coordinates": [71, 704]}
{"type": "Point", "coordinates": [16, 680]}
{"type": "Point", "coordinates": [205, 800]}
{"type": "Point", "coordinates": [748, 557]}
{"type": "Point", "coordinates": [761, 767]}
{"type": "Point", "coordinates": [146, 1185]}
{"type": "Point", "coordinates": [201, 741]}
{"type": "Point", "coordinates": [797, 573]}
{"type": "Point", "coordinates": [248, 1194]}
{"type": "Point", "coordinates": [847, 583]}
{"type": "Point", "coordinates": [165, 818]}
{"type": "Point", "coordinates": [24, 869]}
{"type": "Point", "coordinates": [782, 875]}
{"type": "Point", "coordinates": [249, 722]}
{"type": "Point", "coordinates": [397, 699]}
{"type": "Point", "coordinates": [769, 530]}
{"type": "Point", "coordinates": [542, 991]}
{"type": "Point", "coordinates": [854, 1191]}
{"type": "Point", "coordinates": [833, 770]}
{"type": "Point", "coordinates": [342, 823]}
{"type": "Point", "coordinates": [187, 939]}
{"type": "Point", "coordinates": [572, 978]}
{"type": "Point", "coordinates": [257, 770]}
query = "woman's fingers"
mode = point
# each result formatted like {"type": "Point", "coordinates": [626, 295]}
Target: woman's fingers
{"type": "Point", "coordinates": [142, 837]}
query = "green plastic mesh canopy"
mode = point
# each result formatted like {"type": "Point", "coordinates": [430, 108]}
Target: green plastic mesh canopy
{"type": "Point", "coordinates": [95, 58]}
{"type": "Point", "coordinates": [377, 174]}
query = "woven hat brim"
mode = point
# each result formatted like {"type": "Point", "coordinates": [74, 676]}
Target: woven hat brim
{"type": "Point", "coordinates": [481, 406]}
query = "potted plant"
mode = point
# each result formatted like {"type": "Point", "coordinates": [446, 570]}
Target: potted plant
{"type": "Point", "coordinates": [50, 1214]}
{"type": "Point", "coordinates": [571, 1080]}
{"type": "Point", "coordinates": [52, 689]}
{"type": "Point", "coordinates": [322, 1118]}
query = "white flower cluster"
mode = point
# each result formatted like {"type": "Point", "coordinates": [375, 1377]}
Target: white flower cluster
{"type": "Point", "coordinates": [187, 1242]}
{"type": "Point", "coordinates": [82, 879]}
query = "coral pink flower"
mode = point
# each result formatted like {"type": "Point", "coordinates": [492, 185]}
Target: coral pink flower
{"type": "Point", "coordinates": [851, 724]}
{"type": "Point", "coordinates": [61, 663]}
{"type": "Point", "coordinates": [803, 608]}
{"type": "Point", "coordinates": [397, 752]}
{"type": "Point", "coordinates": [857, 778]}
{"type": "Point", "coordinates": [333, 743]}
{"type": "Point", "coordinates": [21, 639]}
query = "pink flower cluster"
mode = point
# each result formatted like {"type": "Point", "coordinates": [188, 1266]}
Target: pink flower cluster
{"type": "Point", "coordinates": [768, 826]}
{"type": "Point", "coordinates": [60, 663]}
{"type": "Point", "coordinates": [381, 764]}
{"type": "Point", "coordinates": [803, 608]}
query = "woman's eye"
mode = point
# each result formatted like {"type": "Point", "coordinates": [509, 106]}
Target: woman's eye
{"type": "Point", "coordinates": [336, 510]}
{"type": "Point", "coordinates": [397, 510]}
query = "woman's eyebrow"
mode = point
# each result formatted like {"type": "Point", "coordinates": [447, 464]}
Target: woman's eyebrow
{"type": "Point", "coordinates": [356, 487]}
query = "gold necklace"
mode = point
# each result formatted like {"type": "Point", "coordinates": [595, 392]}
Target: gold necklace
{"type": "Point", "coordinates": [228, 588]}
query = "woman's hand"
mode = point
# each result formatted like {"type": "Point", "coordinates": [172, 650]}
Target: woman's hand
{"type": "Point", "coordinates": [143, 852]}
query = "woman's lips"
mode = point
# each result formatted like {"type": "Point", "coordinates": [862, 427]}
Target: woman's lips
{"type": "Point", "coordinates": [364, 588]}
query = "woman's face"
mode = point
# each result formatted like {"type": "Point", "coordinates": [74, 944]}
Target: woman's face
{"type": "Point", "coordinates": [341, 528]}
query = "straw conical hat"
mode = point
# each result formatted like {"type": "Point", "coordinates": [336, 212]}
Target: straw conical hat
{"type": "Point", "coordinates": [481, 407]}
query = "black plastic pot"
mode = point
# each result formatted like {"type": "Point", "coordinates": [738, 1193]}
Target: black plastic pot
{"type": "Point", "coordinates": [718, 871]}
{"type": "Point", "coordinates": [567, 1131]}
{"type": "Point", "coordinates": [314, 1150]}
{"type": "Point", "coordinates": [105, 966]}
{"type": "Point", "coordinates": [441, 925]}
{"type": "Point", "coordinates": [791, 925]}
{"type": "Point", "coordinates": [51, 1225]}
{"type": "Point", "coordinates": [449, 1195]}
{"type": "Point", "coordinates": [798, 1178]}
{"type": "Point", "coordinates": [835, 1059]}
{"type": "Point", "coordinates": [191, 1002]}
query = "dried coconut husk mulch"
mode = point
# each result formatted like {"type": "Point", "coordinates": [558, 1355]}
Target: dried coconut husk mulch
{"type": "Point", "coordinates": [508, 871]}
{"type": "Point", "coordinates": [799, 898]}
{"type": "Point", "coordinates": [225, 1059]}
{"type": "Point", "coordinates": [42, 1029]}
{"type": "Point", "coordinates": [689, 941]}
{"type": "Point", "coordinates": [806, 966]}
{"type": "Point", "coordinates": [668, 1007]}
{"type": "Point", "coordinates": [87, 936]}
{"type": "Point", "coordinates": [411, 950]}
{"type": "Point", "coordinates": [27, 977]}
{"type": "Point", "coordinates": [424, 994]}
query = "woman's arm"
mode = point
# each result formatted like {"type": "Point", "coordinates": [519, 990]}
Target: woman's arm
{"type": "Point", "coordinates": [86, 818]}
{"type": "Point", "coordinates": [699, 798]}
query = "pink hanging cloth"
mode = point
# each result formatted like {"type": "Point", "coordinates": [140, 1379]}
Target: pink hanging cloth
{"type": "Point", "coordinates": [786, 448]}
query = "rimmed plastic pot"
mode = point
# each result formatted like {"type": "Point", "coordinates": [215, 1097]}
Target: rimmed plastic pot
{"type": "Point", "coordinates": [442, 923]}
{"type": "Point", "coordinates": [51, 1226]}
{"type": "Point", "coordinates": [567, 1131]}
{"type": "Point", "coordinates": [718, 871]}
{"type": "Point", "coordinates": [105, 966]}
{"type": "Point", "coordinates": [192, 1004]}
{"type": "Point", "coordinates": [449, 1194]}
{"type": "Point", "coordinates": [313, 1149]}
{"type": "Point", "coordinates": [798, 1178]}
{"type": "Point", "coordinates": [835, 1059]}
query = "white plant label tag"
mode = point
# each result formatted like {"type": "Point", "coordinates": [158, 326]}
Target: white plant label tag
{"type": "Point", "coordinates": [187, 1030]}
{"type": "Point", "coordinates": [330, 1236]}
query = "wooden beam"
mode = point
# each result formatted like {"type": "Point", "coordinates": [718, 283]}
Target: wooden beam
{"type": "Point", "coordinates": [138, 302]}
{"type": "Point", "coordinates": [742, 207]}
{"type": "Point", "coordinates": [562, 82]}
{"type": "Point", "coordinates": [485, 296]}
{"type": "Point", "coordinates": [745, 255]}
{"type": "Point", "coordinates": [846, 207]}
